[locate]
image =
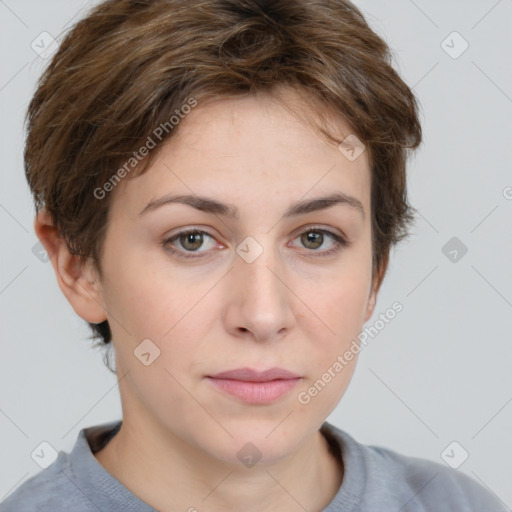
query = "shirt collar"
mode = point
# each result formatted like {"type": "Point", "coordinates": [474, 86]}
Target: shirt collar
{"type": "Point", "coordinates": [108, 494]}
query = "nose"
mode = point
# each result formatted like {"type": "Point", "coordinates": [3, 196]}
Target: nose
{"type": "Point", "coordinates": [260, 301]}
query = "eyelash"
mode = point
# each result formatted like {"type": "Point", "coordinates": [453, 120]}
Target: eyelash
{"type": "Point", "coordinates": [340, 242]}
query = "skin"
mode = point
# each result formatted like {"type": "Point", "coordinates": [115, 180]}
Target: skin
{"type": "Point", "coordinates": [290, 308]}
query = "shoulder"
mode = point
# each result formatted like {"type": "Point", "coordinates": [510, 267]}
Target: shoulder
{"type": "Point", "coordinates": [384, 479]}
{"type": "Point", "coordinates": [50, 490]}
{"type": "Point", "coordinates": [74, 481]}
{"type": "Point", "coordinates": [427, 485]}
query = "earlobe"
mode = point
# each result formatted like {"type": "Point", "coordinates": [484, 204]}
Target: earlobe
{"type": "Point", "coordinates": [376, 283]}
{"type": "Point", "coordinates": [370, 305]}
{"type": "Point", "coordinates": [73, 278]}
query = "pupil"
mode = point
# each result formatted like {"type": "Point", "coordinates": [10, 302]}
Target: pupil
{"type": "Point", "coordinates": [191, 238]}
{"type": "Point", "coordinates": [313, 237]}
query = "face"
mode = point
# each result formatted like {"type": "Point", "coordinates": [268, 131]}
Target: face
{"type": "Point", "coordinates": [255, 286]}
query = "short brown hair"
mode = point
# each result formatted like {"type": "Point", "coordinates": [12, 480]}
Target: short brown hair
{"type": "Point", "coordinates": [128, 66]}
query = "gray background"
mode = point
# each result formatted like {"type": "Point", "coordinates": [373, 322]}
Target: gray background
{"type": "Point", "coordinates": [439, 372]}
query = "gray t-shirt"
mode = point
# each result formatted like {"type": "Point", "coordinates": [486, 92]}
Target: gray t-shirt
{"type": "Point", "coordinates": [375, 479]}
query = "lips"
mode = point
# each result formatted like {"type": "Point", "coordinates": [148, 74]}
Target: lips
{"type": "Point", "coordinates": [248, 375]}
{"type": "Point", "coordinates": [255, 387]}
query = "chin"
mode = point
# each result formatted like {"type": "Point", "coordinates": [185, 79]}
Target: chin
{"type": "Point", "coordinates": [255, 442]}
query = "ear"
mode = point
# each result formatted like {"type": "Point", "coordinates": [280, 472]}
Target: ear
{"type": "Point", "coordinates": [376, 282]}
{"type": "Point", "coordinates": [78, 282]}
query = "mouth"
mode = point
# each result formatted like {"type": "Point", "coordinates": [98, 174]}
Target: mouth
{"type": "Point", "coordinates": [255, 387]}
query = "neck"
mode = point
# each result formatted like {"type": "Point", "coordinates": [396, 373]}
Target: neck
{"type": "Point", "coordinates": [170, 474]}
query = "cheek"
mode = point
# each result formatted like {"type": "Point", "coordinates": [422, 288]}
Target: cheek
{"type": "Point", "coordinates": [340, 301]}
{"type": "Point", "coordinates": [345, 307]}
{"type": "Point", "coordinates": [144, 303]}
{"type": "Point", "coordinates": [171, 311]}
{"type": "Point", "coordinates": [341, 322]}
{"type": "Point", "coordinates": [332, 344]}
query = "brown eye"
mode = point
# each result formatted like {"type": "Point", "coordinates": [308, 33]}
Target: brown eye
{"type": "Point", "coordinates": [191, 241]}
{"type": "Point", "coordinates": [312, 239]}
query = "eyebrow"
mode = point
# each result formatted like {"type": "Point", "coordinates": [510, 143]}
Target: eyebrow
{"type": "Point", "coordinates": [209, 205]}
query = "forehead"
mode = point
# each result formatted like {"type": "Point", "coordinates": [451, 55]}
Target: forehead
{"type": "Point", "coordinates": [250, 148]}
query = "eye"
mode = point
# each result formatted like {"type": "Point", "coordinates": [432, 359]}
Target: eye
{"type": "Point", "coordinates": [314, 238]}
{"type": "Point", "coordinates": [191, 240]}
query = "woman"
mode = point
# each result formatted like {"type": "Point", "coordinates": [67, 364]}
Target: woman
{"type": "Point", "coordinates": [218, 185]}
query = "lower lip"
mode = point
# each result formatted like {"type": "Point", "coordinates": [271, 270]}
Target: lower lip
{"type": "Point", "coordinates": [255, 392]}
